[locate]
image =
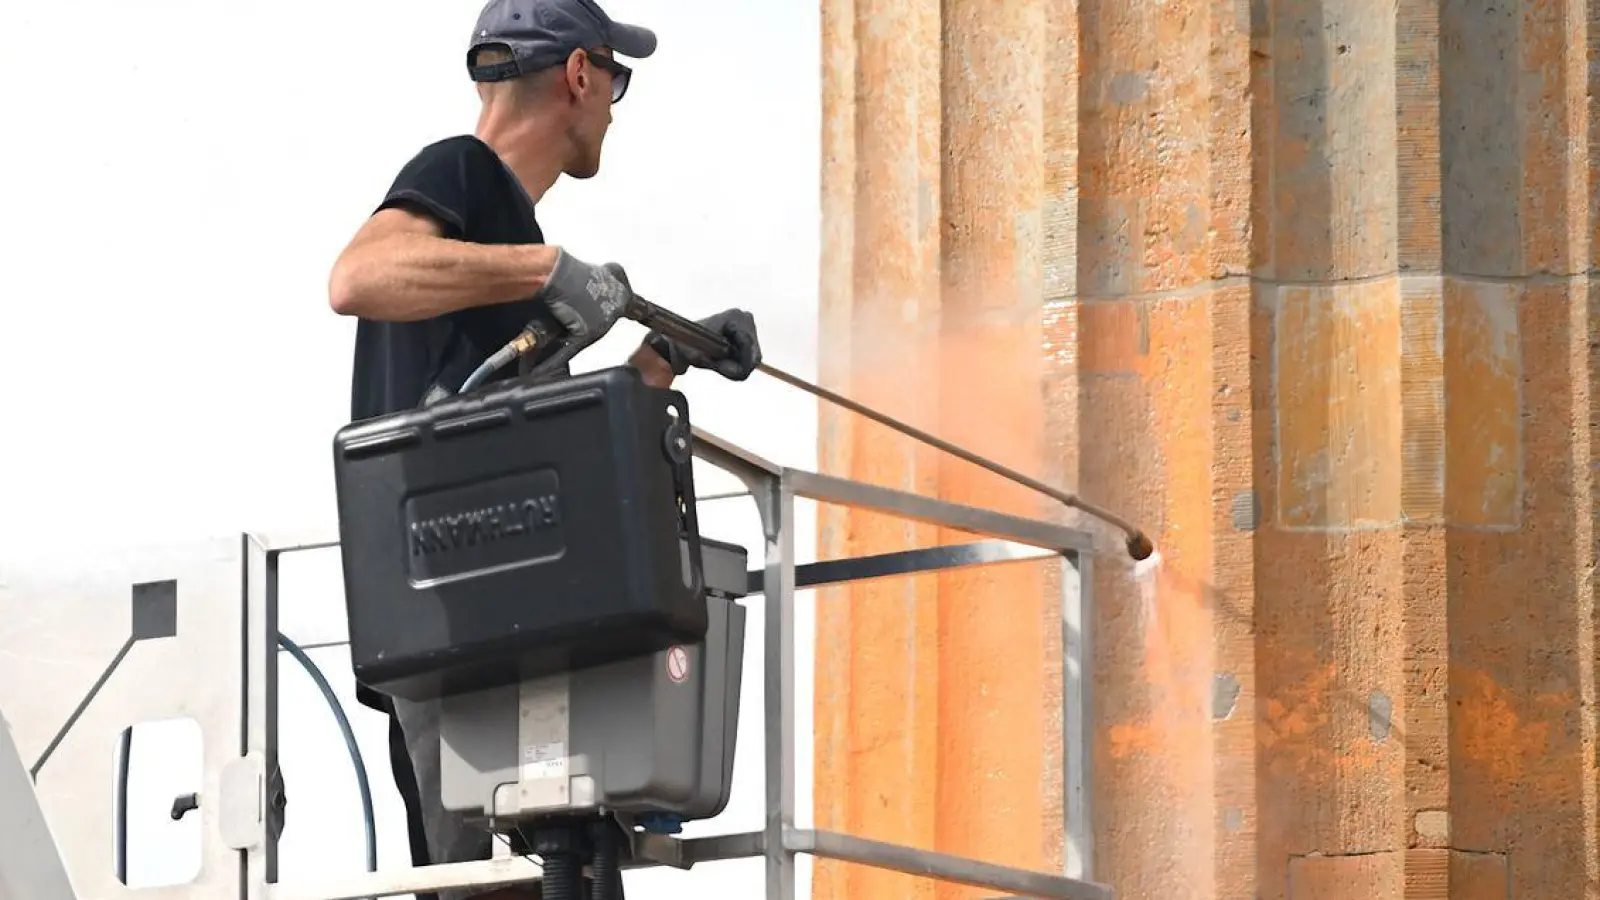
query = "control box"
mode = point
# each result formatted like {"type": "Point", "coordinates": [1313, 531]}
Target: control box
{"type": "Point", "coordinates": [521, 530]}
{"type": "Point", "coordinates": [655, 734]}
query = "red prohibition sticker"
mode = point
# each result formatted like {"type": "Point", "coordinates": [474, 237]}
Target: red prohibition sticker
{"type": "Point", "coordinates": [677, 664]}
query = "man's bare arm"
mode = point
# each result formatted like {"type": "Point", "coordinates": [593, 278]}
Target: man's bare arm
{"type": "Point", "coordinates": [657, 372]}
{"type": "Point", "coordinates": [399, 269]}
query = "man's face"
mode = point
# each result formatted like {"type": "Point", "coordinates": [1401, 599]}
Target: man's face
{"type": "Point", "coordinates": [600, 82]}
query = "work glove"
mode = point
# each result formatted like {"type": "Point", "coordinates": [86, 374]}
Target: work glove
{"type": "Point", "coordinates": [744, 356]}
{"type": "Point", "coordinates": [587, 300]}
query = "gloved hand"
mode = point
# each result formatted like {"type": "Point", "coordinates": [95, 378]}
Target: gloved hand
{"type": "Point", "coordinates": [744, 356]}
{"type": "Point", "coordinates": [587, 300]}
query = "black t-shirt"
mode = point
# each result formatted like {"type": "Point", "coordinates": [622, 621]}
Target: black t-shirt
{"type": "Point", "coordinates": [462, 184]}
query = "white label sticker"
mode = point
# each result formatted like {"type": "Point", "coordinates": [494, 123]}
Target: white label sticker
{"type": "Point", "coordinates": [544, 761]}
{"type": "Point", "coordinates": [542, 734]}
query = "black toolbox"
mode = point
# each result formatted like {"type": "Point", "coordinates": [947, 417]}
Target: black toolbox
{"type": "Point", "coordinates": [520, 530]}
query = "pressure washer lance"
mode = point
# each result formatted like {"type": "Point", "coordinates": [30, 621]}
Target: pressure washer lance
{"type": "Point", "coordinates": [693, 334]}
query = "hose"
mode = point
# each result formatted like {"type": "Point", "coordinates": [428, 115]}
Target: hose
{"type": "Point", "coordinates": [563, 876]}
{"type": "Point", "coordinates": [368, 821]}
{"type": "Point", "coordinates": [526, 340]}
{"type": "Point", "coordinates": [607, 869]}
{"type": "Point", "coordinates": [499, 360]}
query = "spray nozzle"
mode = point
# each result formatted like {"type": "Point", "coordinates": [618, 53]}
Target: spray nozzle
{"type": "Point", "coordinates": [1140, 546]}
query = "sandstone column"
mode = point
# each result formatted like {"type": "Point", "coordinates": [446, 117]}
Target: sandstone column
{"type": "Point", "coordinates": [1163, 412]}
{"type": "Point", "coordinates": [1301, 286]}
{"type": "Point", "coordinates": [939, 697]}
{"type": "Point", "coordinates": [1330, 640]}
{"type": "Point", "coordinates": [877, 681]}
{"type": "Point", "coordinates": [1517, 504]}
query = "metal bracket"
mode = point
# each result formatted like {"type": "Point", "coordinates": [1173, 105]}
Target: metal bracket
{"type": "Point", "coordinates": [252, 803]}
{"type": "Point", "coordinates": [244, 806]}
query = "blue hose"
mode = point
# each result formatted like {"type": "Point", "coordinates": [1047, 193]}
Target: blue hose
{"type": "Point", "coordinates": [368, 820]}
{"type": "Point", "coordinates": [501, 358]}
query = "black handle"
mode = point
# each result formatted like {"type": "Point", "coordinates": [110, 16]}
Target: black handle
{"type": "Point", "coordinates": [184, 804]}
{"type": "Point", "coordinates": [677, 443]}
{"type": "Point", "coordinates": [687, 332]}
{"type": "Point", "coordinates": [548, 339]}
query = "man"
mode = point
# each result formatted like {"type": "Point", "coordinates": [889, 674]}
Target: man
{"type": "Point", "coordinates": [453, 264]}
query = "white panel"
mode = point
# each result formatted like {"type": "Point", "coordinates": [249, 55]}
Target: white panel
{"type": "Point", "coordinates": [58, 635]}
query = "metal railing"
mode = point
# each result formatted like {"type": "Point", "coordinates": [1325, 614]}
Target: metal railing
{"type": "Point", "coordinates": [239, 814]}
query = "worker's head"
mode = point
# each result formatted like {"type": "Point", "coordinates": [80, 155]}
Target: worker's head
{"type": "Point", "coordinates": [556, 60]}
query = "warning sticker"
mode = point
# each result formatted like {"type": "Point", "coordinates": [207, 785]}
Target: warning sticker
{"type": "Point", "coordinates": [677, 664]}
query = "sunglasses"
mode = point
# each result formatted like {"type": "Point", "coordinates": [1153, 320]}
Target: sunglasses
{"type": "Point", "coordinates": [620, 74]}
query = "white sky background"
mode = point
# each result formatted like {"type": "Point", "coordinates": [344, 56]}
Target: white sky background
{"type": "Point", "coordinates": [179, 184]}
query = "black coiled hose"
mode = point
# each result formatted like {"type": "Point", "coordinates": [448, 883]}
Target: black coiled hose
{"type": "Point", "coordinates": [563, 876]}
{"type": "Point", "coordinates": [607, 871]}
{"type": "Point", "coordinates": [566, 847]}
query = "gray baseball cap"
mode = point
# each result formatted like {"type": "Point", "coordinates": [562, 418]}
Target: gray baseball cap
{"type": "Point", "coordinates": [543, 33]}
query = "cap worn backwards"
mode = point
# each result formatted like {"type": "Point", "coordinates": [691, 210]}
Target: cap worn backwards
{"type": "Point", "coordinates": [543, 33]}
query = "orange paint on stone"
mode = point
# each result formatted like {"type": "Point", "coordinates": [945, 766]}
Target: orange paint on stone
{"type": "Point", "coordinates": [1493, 734]}
{"type": "Point", "coordinates": [1338, 412]}
{"type": "Point", "coordinates": [1483, 370]}
{"type": "Point", "coordinates": [1368, 474]}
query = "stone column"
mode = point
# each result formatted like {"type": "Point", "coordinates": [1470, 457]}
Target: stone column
{"type": "Point", "coordinates": [1517, 510]}
{"type": "Point", "coordinates": [1331, 428]}
{"type": "Point", "coordinates": [1163, 412]}
{"type": "Point", "coordinates": [1301, 286]}
{"type": "Point", "coordinates": [939, 696]}
{"type": "Point", "coordinates": [877, 677]}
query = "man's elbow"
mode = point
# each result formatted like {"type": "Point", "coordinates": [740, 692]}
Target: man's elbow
{"type": "Point", "coordinates": [348, 293]}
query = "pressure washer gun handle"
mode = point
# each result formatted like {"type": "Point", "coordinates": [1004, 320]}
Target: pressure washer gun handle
{"type": "Point", "coordinates": [540, 342]}
{"type": "Point", "coordinates": [676, 328]}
